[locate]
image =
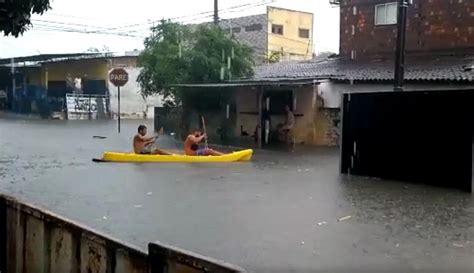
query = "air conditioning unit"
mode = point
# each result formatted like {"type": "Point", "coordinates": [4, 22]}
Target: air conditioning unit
{"type": "Point", "coordinates": [335, 2]}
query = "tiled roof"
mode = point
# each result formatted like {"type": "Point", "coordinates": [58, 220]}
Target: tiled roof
{"type": "Point", "coordinates": [428, 68]}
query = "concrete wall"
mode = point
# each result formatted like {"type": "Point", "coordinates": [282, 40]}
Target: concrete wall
{"type": "Point", "coordinates": [250, 30]}
{"type": "Point", "coordinates": [33, 240]}
{"type": "Point", "coordinates": [432, 25]}
{"type": "Point", "coordinates": [305, 112]}
{"type": "Point", "coordinates": [132, 104]}
{"type": "Point", "coordinates": [331, 92]}
{"type": "Point", "coordinates": [328, 130]}
{"type": "Point", "coordinates": [313, 124]}
{"type": "Point", "coordinates": [247, 110]}
{"type": "Point", "coordinates": [293, 47]}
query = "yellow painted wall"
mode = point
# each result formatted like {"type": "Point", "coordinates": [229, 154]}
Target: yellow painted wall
{"type": "Point", "coordinates": [92, 69]}
{"type": "Point", "coordinates": [33, 75]}
{"type": "Point", "coordinates": [58, 71]}
{"type": "Point", "coordinates": [290, 40]}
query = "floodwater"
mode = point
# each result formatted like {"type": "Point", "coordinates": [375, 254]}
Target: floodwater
{"type": "Point", "coordinates": [283, 212]}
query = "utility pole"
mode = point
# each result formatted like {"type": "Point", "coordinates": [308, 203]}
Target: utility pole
{"type": "Point", "coordinates": [400, 54]}
{"type": "Point", "coordinates": [216, 12]}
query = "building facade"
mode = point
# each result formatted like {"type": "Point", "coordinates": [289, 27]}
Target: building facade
{"type": "Point", "coordinates": [369, 27]}
{"type": "Point", "coordinates": [440, 56]}
{"type": "Point", "coordinates": [280, 34]}
{"type": "Point", "coordinates": [46, 85]}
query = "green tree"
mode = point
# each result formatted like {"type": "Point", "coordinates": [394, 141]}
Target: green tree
{"type": "Point", "coordinates": [175, 54]}
{"type": "Point", "coordinates": [273, 57]}
{"type": "Point", "coordinates": [15, 15]}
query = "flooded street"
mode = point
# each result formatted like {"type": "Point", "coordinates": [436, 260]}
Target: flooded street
{"type": "Point", "coordinates": [279, 213]}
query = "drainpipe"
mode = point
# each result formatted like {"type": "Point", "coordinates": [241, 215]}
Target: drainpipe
{"type": "Point", "coordinates": [400, 54]}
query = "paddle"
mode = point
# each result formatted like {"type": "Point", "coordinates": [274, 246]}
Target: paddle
{"type": "Point", "coordinates": [160, 133]}
{"type": "Point", "coordinates": [204, 129]}
{"type": "Point", "coordinates": [98, 160]}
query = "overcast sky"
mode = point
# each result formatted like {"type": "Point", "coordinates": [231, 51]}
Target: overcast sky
{"type": "Point", "coordinates": [129, 21]}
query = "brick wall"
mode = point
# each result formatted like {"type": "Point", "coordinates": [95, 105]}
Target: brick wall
{"type": "Point", "coordinates": [433, 25]}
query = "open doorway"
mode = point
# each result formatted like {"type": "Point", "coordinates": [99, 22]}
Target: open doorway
{"type": "Point", "coordinates": [274, 115]}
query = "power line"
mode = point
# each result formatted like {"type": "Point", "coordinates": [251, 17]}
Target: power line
{"type": "Point", "coordinates": [241, 9]}
{"type": "Point", "coordinates": [264, 2]}
{"type": "Point", "coordinates": [65, 23]}
{"type": "Point", "coordinates": [62, 26]}
{"type": "Point", "coordinates": [46, 27]}
{"type": "Point", "coordinates": [107, 30]}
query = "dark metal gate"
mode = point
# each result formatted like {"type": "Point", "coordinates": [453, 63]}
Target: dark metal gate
{"type": "Point", "coordinates": [409, 136]}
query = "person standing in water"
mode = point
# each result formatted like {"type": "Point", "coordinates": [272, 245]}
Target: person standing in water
{"type": "Point", "coordinates": [287, 128]}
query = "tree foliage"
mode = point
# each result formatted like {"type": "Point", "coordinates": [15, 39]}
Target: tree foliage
{"type": "Point", "coordinates": [15, 15]}
{"type": "Point", "coordinates": [175, 54]}
{"type": "Point", "coordinates": [273, 57]}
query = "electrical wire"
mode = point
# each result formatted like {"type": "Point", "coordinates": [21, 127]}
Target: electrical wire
{"type": "Point", "coordinates": [54, 25]}
{"type": "Point", "coordinates": [46, 27]}
{"type": "Point", "coordinates": [225, 10]}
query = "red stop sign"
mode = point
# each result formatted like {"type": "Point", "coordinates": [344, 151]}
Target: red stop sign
{"type": "Point", "coordinates": [118, 77]}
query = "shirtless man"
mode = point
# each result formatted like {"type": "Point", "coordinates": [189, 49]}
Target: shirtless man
{"type": "Point", "coordinates": [144, 145]}
{"type": "Point", "coordinates": [191, 145]}
{"type": "Point", "coordinates": [287, 128]}
{"type": "Point", "coordinates": [290, 120]}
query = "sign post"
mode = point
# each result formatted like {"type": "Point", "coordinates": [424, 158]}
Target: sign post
{"type": "Point", "coordinates": [118, 77]}
{"type": "Point", "coordinates": [119, 117]}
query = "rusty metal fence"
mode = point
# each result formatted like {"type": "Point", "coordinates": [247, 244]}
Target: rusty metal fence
{"type": "Point", "coordinates": [33, 240]}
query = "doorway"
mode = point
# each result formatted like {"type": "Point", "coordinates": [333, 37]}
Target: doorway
{"type": "Point", "coordinates": [273, 113]}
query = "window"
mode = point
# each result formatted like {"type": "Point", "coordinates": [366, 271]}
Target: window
{"type": "Point", "coordinates": [254, 27]}
{"type": "Point", "coordinates": [236, 30]}
{"type": "Point", "coordinates": [386, 14]}
{"type": "Point", "coordinates": [277, 29]}
{"type": "Point", "coordinates": [304, 33]}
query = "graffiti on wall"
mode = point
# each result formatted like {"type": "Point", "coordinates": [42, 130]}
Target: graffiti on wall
{"type": "Point", "coordinates": [86, 106]}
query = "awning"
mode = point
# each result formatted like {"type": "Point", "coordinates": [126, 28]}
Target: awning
{"type": "Point", "coordinates": [245, 83]}
{"type": "Point", "coordinates": [47, 57]}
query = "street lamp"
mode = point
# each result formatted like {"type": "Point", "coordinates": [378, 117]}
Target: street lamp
{"type": "Point", "coordinates": [400, 54]}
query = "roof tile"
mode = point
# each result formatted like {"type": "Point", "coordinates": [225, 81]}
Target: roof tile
{"type": "Point", "coordinates": [421, 68]}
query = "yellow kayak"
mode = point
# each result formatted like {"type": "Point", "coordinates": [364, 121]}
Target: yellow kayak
{"type": "Point", "coordinates": [244, 155]}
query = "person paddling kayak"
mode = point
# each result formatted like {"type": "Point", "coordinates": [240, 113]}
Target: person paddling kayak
{"type": "Point", "coordinates": [146, 145]}
{"type": "Point", "coordinates": [191, 146]}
